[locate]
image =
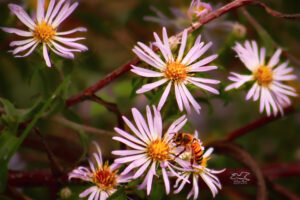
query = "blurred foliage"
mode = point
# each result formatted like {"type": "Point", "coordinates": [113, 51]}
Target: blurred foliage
{"type": "Point", "coordinates": [113, 29]}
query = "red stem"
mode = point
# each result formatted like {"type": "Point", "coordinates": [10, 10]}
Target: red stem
{"type": "Point", "coordinates": [256, 124]}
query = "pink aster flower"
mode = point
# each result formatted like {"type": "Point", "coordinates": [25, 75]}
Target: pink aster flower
{"type": "Point", "coordinates": [177, 71]}
{"type": "Point", "coordinates": [151, 149]}
{"type": "Point", "coordinates": [43, 29]}
{"type": "Point", "coordinates": [268, 79]}
{"type": "Point", "coordinates": [198, 9]}
{"type": "Point", "coordinates": [105, 178]}
{"type": "Point", "coordinates": [196, 172]}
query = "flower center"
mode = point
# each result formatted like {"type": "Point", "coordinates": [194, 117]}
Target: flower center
{"type": "Point", "coordinates": [264, 76]}
{"type": "Point", "coordinates": [105, 179]}
{"type": "Point", "coordinates": [176, 71]}
{"type": "Point", "coordinates": [159, 150]}
{"type": "Point", "coordinates": [44, 32]}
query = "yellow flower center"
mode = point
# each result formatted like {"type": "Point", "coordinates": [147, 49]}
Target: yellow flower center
{"type": "Point", "coordinates": [159, 150]}
{"type": "Point", "coordinates": [176, 71]}
{"type": "Point", "coordinates": [200, 8]}
{"type": "Point", "coordinates": [44, 32]}
{"type": "Point", "coordinates": [105, 179]}
{"type": "Point", "coordinates": [264, 75]}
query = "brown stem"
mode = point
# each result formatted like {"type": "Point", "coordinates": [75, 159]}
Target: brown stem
{"type": "Point", "coordinates": [256, 124]}
{"type": "Point", "coordinates": [56, 168]}
{"type": "Point", "coordinates": [110, 106]}
{"type": "Point", "coordinates": [283, 192]}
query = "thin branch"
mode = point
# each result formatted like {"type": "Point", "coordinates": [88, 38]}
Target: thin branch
{"type": "Point", "coordinates": [110, 106]}
{"type": "Point", "coordinates": [56, 168]}
{"type": "Point", "coordinates": [283, 192]}
{"type": "Point", "coordinates": [256, 124]}
{"type": "Point", "coordinates": [76, 126]}
{"type": "Point", "coordinates": [16, 194]}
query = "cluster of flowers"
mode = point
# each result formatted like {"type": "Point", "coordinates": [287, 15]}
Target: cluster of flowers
{"type": "Point", "coordinates": [153, 151]}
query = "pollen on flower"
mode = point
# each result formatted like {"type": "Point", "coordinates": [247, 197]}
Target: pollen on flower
{"type": "Point", "coordinates": [264, 76]}
{"type": "Point", "coordinates": [176, 71]}
{"type": "Point", "coordinates": [104, 178]}
{"type": "Point", "coordinates": [44, 32]}
{"type": "Point", "coordinates": [159, 150]}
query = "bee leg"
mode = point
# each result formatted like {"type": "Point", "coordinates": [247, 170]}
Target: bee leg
{"type": "Point", "coordinates": [180, 153]}
{"type": "Point", "coordinates": [192, 160]}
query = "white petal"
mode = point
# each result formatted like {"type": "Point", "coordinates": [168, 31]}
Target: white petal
{"type": "Point", "coordinates": [150, 178]}
{"type": "Point", "coordinates": [164, 96]}
{"type": "Point", "coordinates": [202, 69]}
{"type": "Point", "coordinates": [22, 15]}
{"type": "Point", "coordinates": [128, 136]}
{"type": "Point", "coordinates": [46, 55]}
{"type": "Point", "coordinates": [166, 180]}
{"type": "Point", "coordinates": [29, 52]}
{"type": "Point", "coordinates": [205, 87]}
{"type": "Point", "coordinates": [88, 191]}
{"type": "Point", "coordinates": [178, 97]}
{"type": "Point", "coordinates": [17, 32]}
{"type": "Point", "coordinates": [275, 58]}
{"type": "Point", "coordinates": [151, 86]}
{"type": "Point", "coordinates": [135, 131]}
{"type": "Point", "coordinates": [195, 187]}
{"type": "Point", "coordinates": [191, 99]}
{"type": "Point", "coordinates": [60, 18]}
{"type": "Point", "coordinates": [145, 72]}
{"type": "Point", "coordinates": [182, 47]}
{"type": "Point", "coordinates": [129, 158]}
{"type": "Point", "coordinates": [141, 170]}
{"type": "Point", "coordinates": [128, 143]}
{"type": "Point", "coordinates": [40, 10]}
{"type": "Point", "coordinates": [126, 152]}
{"type": "Point", "coordinates": [20, 42]}
{"type": "Point", "coordinates": [49, 10]}
{"type": "Point", "coordinates": [203, 62]}
{"type": "Point", "coordinates": [81, 29]}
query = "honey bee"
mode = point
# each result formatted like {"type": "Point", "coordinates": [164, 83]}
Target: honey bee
{"type": "Point", "coordinates": [189, 143]}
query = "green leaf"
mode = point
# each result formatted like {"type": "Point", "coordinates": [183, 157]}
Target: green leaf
{"type": "Point", "coordinates": [118, 195]}
{"type": "Point", "coordinates": [9, 107]}
{"type": "Point", "coordinates": [157, 192]}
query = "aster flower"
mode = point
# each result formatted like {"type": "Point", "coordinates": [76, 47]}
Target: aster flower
{"type": "Point", "coordinates": [177, 72]}
{"type": "Point", "coordinates": [151, 149]}
{"type": "Point", "coordinates": [43, 29]}
{"type": "Point", "coordinates": [105, 178]}
{"type": "Point", "coordinates": [198, 171]}
{"type": "Point", "coordinates": [198, 9]}
{"type": "Point", "coordinates": [267, 78]}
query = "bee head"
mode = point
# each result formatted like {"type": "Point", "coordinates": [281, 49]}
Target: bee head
{"type": "Point", "coordinates": [177, 138]}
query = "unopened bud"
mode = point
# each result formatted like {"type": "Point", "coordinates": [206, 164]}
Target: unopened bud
{"type": "Point", "coordinates": [65, 193]}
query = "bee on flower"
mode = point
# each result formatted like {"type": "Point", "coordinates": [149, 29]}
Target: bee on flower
{"type": "Point", "coordinates": [151, 149]}
{"type": "Point", "coordinates": [105, 178]}
{"type": "Point", "coordinates": [43, 29]}
{"type": "Point", "coordinates": [267, 78]}
{"type": "Point", "coordinates": [197, 171]}
{"type": "Point", "coordinates": [176, 71]}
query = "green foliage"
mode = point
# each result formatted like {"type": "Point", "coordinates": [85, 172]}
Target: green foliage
{"type": "Point", "coordinates": [118, 195]}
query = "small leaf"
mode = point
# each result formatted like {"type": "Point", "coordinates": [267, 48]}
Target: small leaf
{"type": "Point", "coordinates": [9, 107]}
